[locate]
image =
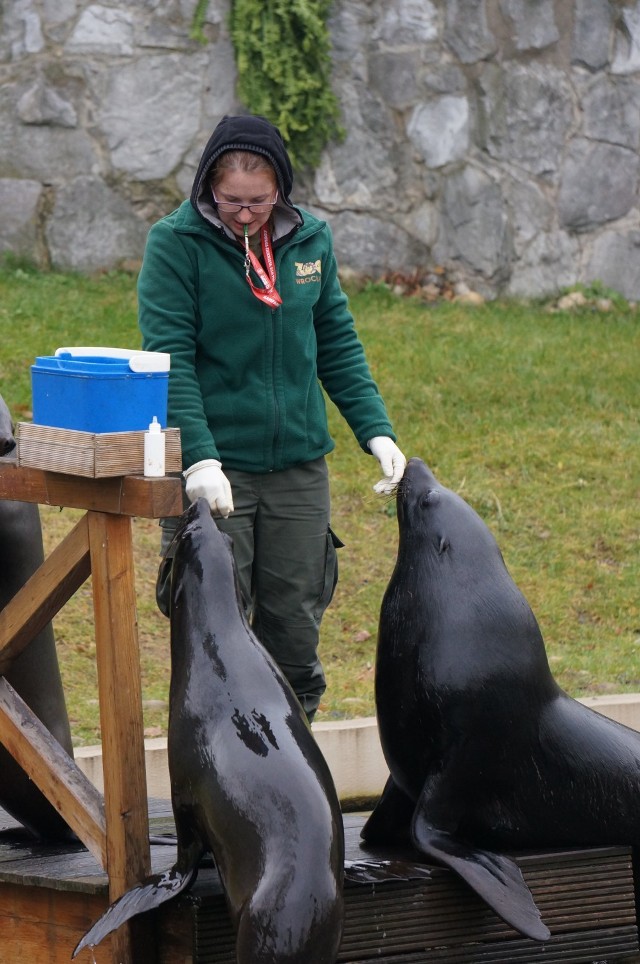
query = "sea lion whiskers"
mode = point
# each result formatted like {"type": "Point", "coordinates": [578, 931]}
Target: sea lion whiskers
{"type": "Point", "coordinates": [401, 486]}
{"type": "Point", "coordinates": [387, 498]}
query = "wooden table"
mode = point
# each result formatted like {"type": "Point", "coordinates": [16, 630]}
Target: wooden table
{"type": "Point", "coordinates": [114, 828]}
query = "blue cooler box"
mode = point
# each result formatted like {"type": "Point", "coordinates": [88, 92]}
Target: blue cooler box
{"type": "Point", "coordinates": [100, 389]}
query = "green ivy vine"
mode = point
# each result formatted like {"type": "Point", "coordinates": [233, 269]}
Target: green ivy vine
{"type": "Point", "coordinates": [282, 51]}
{"type": "Point", "coordinates": [198, 21]}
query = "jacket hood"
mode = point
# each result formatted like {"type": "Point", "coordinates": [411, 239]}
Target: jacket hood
{"type": "Point", "coordinates": [245, 133]}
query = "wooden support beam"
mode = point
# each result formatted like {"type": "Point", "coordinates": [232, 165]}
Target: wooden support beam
{"type": "Point", "coordinates": [132, 495]}
{"type": "Point", "coordinates": [44, 594]}
{"type": "Point", "coordinates": [117, 659]}
{"type": "Point", "coordinates": [116, 830]}
{"type": "Point", "coordinates": [53, 771]}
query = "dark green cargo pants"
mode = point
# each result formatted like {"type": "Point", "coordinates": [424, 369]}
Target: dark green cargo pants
{"type": "Point", "coordinates": [287, 565]}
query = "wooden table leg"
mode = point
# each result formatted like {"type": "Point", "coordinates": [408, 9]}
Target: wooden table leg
{"type": "Point", "coordinates": [118, 665]}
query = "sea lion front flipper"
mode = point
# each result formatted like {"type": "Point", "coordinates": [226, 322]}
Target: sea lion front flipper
{"type": "Point", "coordinates": [390, 819]}
{"type": "Point", "coordinates": [494, 877]}
{"type": "Point", "coordinates": [148, 895]}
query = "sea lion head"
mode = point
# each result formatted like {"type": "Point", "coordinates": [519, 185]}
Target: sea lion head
{"type": "Point", "coordinates": [200, 553]}
{"type": "Point", "coordinates": [196, 526]}
{"type": "Point", "coordinates": [451, 564]}
{"type": "Point", "coordinates": [435, 523]}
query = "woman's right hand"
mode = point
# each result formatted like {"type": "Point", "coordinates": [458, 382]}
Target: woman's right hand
{"type": "Point", "coordinates": [207, 480]}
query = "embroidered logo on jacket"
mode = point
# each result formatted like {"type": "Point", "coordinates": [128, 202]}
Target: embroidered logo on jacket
{"type": "Point", "coordinates": [307, 271]}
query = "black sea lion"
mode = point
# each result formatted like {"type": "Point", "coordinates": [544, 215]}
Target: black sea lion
{"type": "Point", "coordinates": [484, 748]}
{"type": "Point", "coordinates": [35, 674]}
{"type": "Point", "coordinates": [248, 781]}
{"type": "Point", "coordinates": [7, 440]}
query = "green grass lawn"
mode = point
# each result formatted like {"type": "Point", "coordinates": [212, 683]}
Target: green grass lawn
{"type": "Point", "coordinates": [531, 415]}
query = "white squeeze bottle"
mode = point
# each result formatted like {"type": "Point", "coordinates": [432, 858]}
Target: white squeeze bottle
{"type": "Point", "coordinates": [154, 450]}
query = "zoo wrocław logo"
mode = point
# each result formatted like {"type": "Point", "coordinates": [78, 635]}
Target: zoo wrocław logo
{"type": "Point", "coordinates": [308, 271]}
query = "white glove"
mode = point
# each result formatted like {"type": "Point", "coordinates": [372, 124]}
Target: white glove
{"type": "Point", "coordinates": [207, 480]}
{"type": "Point", "coordinates": [392, 462]}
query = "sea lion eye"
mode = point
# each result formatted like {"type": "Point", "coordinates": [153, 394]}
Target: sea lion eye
{"type": "Point", "coordinates": [430, 498]}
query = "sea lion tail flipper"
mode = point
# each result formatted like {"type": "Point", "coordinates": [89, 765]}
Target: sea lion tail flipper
{"type": "Point", "coordinates": [494, 877]}
{"type": "Point", "coordinates": [390, 820]}
{"type": "Point", "coordinates": [147, 895]}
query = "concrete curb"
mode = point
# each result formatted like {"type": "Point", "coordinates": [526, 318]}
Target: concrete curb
{"type": "Point", "coordinates": [350, 747]}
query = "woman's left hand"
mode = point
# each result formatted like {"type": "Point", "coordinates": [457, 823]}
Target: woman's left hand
{"type": "Point", "coordinates": [392, 462]}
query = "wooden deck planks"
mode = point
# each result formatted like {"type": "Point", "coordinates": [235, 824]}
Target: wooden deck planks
{"type": "Point", "coordinates": [51, 892]}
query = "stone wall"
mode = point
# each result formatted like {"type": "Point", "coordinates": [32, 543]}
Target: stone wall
{"type": "Point", "coordinates": [496, 138]}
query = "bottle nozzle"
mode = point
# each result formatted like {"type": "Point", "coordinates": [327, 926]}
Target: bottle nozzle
{"type": "Point", "coordinates": [154, 449]}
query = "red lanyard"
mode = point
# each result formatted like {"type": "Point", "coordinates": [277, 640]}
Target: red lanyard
{"type": "Point", "coordinates": [268, 294]}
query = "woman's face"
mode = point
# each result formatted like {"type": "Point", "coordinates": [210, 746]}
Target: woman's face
{"type": "Point", "coordinates": [240, 187]}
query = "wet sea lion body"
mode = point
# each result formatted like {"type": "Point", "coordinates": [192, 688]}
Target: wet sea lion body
{"type": "Point", "coordinates": [35, 674]}
{"type": "Point", "coordinates": [484, 749]}
{"type": "Point", "coordinates": [248, 781]}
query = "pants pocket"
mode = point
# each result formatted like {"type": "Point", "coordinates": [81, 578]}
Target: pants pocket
{"type": "Point", "coordinates": [330, 571]}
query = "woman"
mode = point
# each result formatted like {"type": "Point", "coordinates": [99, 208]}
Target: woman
{"type": "Point", "coordinates": [241, 288]}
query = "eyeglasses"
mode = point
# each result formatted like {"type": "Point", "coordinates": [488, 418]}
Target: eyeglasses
{"type": "Point", "coordinates": [228, 208]}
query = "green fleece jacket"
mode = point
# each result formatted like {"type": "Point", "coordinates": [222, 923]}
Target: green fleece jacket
{"type": "Point", "coordinates": [245, 379]}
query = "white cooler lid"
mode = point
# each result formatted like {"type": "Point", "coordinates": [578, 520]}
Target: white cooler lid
{"type": "Point", "coordinates": [139, 361]}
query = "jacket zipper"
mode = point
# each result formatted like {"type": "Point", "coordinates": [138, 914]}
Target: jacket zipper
{"type": "Point", "coordinates": [276, 404]}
